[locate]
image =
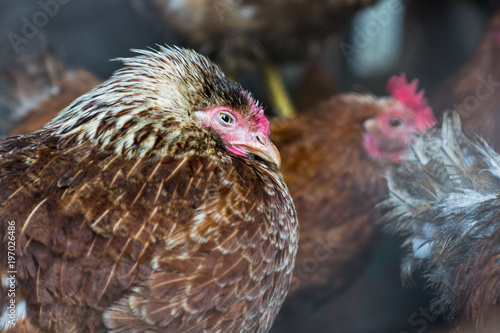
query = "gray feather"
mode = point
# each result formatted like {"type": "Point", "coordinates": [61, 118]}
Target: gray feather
{"type": "Point", "coordinates": [444, 199]}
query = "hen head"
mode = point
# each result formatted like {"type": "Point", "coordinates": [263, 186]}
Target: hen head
{"type": "Point", "coordinates": [169, 102]}
{"type": "Point", "coordinates": [241, 135]}
{"type": "Point", "coordinates": [405, 115]}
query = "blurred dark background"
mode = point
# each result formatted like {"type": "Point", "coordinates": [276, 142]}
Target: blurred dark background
{"type": "Point", "coordinates": [428, 41]}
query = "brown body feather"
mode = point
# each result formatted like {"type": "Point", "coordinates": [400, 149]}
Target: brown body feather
{"type": "Point", "coordinates": [179, 236]}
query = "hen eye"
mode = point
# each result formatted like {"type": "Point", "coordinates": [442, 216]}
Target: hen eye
{"type": "Point", "coordinates": [225, 118]}
{"type": "Point", "coordinates": [395, 122]}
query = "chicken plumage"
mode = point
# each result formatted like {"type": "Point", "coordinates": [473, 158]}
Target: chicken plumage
{"type": "Point", "coordinates": [474, 90]}
{"type": "Point", "coordinates": [151, 203]}
{"type": "Point", "coordinates": [334, 161]}
{"type": "Point", "coordinates": [444, 198]}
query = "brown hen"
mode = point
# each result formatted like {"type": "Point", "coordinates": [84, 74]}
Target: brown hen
{"type": "Point", "coordinates": [334, 160]}
{"type": "Point", "coordinates": [150, 204]}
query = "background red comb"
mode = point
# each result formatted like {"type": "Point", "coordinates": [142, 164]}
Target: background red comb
{"type": "Point", "coordinates": [407, 94]}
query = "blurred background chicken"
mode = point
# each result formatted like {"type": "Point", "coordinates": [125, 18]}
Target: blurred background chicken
{"type": "Point", "coordinates": [255, 34]}
{"type": "Point", "coordinates": [474, 91]}
{"type": "Point", "coordinates": [444, 198]}
{"type": "Point", "coordinates": [334, 161]}
{"type": "Point", "coordinates": [249, 33]}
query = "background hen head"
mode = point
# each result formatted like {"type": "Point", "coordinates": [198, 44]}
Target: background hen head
{"type": "Point", "coordinates": [404, 116]}
{"type": "Point", "coordinates": [164, 100]}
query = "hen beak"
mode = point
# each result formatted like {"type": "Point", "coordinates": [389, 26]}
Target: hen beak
{"type": "Point", "coordinates": [262, 146]}
{"type": "Point", "coordinates": [371, 125]}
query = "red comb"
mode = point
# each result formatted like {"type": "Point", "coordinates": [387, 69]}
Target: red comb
{"type": "Point", "coordinates": [407, 94]}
